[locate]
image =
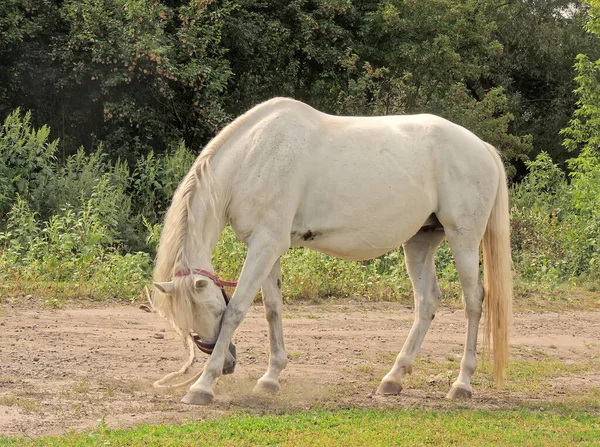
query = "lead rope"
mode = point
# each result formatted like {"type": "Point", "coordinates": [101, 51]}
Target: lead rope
{"type": "Point", "coordinates": [188, 342]}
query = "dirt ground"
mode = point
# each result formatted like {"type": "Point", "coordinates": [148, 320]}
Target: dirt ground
{"type": "Point", "coordinates": [65, 370]}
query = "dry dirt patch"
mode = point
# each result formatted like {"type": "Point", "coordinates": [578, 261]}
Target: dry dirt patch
{"type": "Point", "coordinates": [66, 369]}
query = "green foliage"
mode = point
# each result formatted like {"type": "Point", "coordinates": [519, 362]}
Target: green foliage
{"type": "Point", "coordinates": [584, 128]}
{"type": "Point", "coordinates": [141, 75]}
{"type": "Point", "coordinates": [156, 70]}
{"type": "Point", "coordinates": [293, 49]}
{"type": "Point", "coordinates": [490, 119]}
{"type": "Point", "coordinates": [140, 82]}
{"type": "Point", "coordinates": [585, 183]}
{"type": "Point", "coordinates": [155, 179]}
{"type": "Point", "coordinates": [556, 235]}
{"type": "Point", "coordinates": [71, 248]}
{"type": "Point", "coordinates": [93, 178]}
{"type": "Point", "coordinates": [436, 44]}
{"type": "Point", "coordinates": [311, 275]}
{"type": "Point", "coordinates": [555, 231]}
{"type": "Point", "coordinates": [540, 41]}
{"type": "Point", "coordinates": [27, 75]}
{"type": "Point", "coordinates": [26, 158]}
{"type": "Point", "coordinates": [441, 56]}
{"type": "Point", "coordinates": [71, 229]}
{"type": "Point", "coordinates": [80, 227]}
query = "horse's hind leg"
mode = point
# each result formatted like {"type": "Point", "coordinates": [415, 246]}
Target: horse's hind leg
{"type": "Point", "coordinates": [419, 253]}
{"type": "Point", "coordinates": [271, 291]}
{"type": "Point", "coordinates": [466, 258]}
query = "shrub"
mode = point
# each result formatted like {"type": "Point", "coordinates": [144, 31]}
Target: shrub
{"type": "Point", "coordinates": [73, 248]}
{"type": "Point", "coordinates": [555, 231]}
{"type": "Point", "coordinates": [312, 275]}
{"type": "Point", "coordinates": [26, 158]}
{"type": "Point", "coordinates": [155, 179]}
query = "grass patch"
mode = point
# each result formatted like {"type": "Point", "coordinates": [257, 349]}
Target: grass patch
{"type": "Point", "coordinates": [542, 297]}
{"type": "Point", "coordinates": [82, 387]}
{"type": "Point", "coordinates": [350, 428]}
{"type": "Point", "coordinates": [588, 399]}
{"type": "Point", "coordinates": [530, 372]}
{"type": "Point", "coordinates": [27, 406]}
{"type": "Point", "coordinates": [8, 400]}
{"type": "Point", "coordinates": [532, 376]}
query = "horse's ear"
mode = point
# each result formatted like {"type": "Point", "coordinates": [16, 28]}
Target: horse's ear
{"type": "Point", "coordinates": [165, 287]}
{"type": "Point", "coordinates": [200, 283]}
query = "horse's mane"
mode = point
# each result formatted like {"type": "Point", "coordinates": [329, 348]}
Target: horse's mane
{"type": "Point", "coordinates": [171, 251]}
{"type": "Point", "coordinates": [171, 256]}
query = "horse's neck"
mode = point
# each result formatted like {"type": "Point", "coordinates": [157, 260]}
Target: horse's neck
{"type": "Point", "coordinates": [209, 202]}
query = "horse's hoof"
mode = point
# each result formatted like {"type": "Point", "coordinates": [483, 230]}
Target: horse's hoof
{"type": "Point", "coordinates": [197, 398]}
{"type": "Point", "coordinates": [389, 388]}
{"type": "Point", "coordinates": [458, 393]}
{"type": "Point", "coordinates": [266, 386]}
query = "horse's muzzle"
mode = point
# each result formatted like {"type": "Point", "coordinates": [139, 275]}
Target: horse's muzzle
{"type": "Point", "coordinates": [230, 360]}
{"type": "Point", "coordinates": [207, 348]}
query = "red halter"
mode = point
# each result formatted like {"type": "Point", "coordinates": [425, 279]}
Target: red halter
{"type": "Point", "coordinates": [209, 275]}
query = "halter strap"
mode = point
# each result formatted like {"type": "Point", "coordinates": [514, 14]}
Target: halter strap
{"type": "Point", "coordinates": [209, 275]}
{"type": "Point", "coordinates": [207, 348]}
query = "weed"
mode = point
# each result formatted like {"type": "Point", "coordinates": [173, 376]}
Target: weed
{"type": "Point", "coordinates": [8, 400]}
{"type": "Point", "coordinates": [82, 387]}
{"type": "Point", "coordinates": [293, 355]}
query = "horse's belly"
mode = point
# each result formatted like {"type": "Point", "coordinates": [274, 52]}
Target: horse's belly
{"type": "Point", "coordinates": [362, 217]}
{"type": "Point", "coordinates": [356, 244]}
{"type": "Point", "coordinates": [347, 248]}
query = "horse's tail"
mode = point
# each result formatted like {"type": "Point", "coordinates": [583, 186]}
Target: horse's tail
{"type": "Point", "coordinates": [497, 271]}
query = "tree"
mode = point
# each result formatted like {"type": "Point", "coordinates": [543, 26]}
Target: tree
{"type": "Point", "coordinates": [140, 75]}
{"type": "Point", "coordinates": [27, 73]}
{"type": "Point", "coordinates": [136, 74]}
{"type": "Point", "coordinates": [435, 57]}
{"type": "Point", "coordinates": [583, 131]}
{"type": "Point", "coordinates": [283, 48]}
{"type": "Point", "coordinates": [153, 74]}
{"type": "Point", "coordinates": [540, 40]}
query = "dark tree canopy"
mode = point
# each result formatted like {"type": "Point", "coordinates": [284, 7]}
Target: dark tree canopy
{"type": "Point", "coordinates": [143, 75]}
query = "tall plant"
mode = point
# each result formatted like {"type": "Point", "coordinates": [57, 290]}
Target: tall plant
{"type": "Point", "coordinates": [583, 131]}
{"type": "Point", "coordinates": [26, 158]}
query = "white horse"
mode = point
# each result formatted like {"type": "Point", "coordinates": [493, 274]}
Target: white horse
{"type": "Point", "coordinates": [286, 175]}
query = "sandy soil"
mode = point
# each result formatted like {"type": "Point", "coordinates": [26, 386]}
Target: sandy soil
{"type": "Point", "coordinates": [66, 369]}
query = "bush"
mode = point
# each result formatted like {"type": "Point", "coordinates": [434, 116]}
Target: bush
{"type": "Point", "coordinates": [73, 249]}
{"type": "Point", "coordinates": [555, 231]}
{"type": "Point", "coordinates": [26, 158]}
{"type": "Point", "coordinates": [155, 179]}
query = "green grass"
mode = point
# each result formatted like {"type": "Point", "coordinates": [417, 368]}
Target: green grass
{"type": "Point", "coordinates": [350, 428]}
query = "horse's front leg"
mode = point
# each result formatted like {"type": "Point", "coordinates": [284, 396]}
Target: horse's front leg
{"type": "Point", "coordinates": [263, 252]}
{"type": "Point", "coordinates": [273, 303]}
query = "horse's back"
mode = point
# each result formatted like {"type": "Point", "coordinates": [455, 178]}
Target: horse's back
{"type": "Point", "coordinates": [405, 140]}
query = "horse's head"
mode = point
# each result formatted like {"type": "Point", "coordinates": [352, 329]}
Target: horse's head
{"type": "Point", "coordinates": [198, 305]}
